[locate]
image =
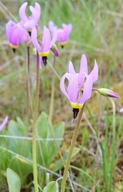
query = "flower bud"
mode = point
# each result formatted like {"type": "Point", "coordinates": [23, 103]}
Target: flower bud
{"type": "Point", "coordinates": [107, 92]}
{"type": "Point", "coordinates": [55, 50]}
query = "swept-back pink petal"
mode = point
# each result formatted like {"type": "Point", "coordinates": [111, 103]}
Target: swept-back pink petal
{"type": "Point", "coordinates": [4, 123]}
{"type": "Point", "coordinates": [15, 36]}
{"type": "Point", "coordinates": [35, 15]}
{"type": "Point", "coordinates": [68, 27]}
{"type": "Point", "coordinates": [37, 7]}
{"type": "Point", "coordinates": [94, 72]}
{"type": "Point", "coordinates": [51, 25]}
{"type": "Point", "coordinates": [87, 89]}
{"type": "Point", "coordinates": [81, 78]}
{"type": "Point", "coordinates": [83, 64]}
{"type": "Point", "coordinates": [73, 89]}
{"type": "Point", "coordinates": [22, 12]}
{"type": "Point", "coordinates": [34, 40]}
{"type": "Point", "coordinates": [71, 68]}
{"type": "Point", "coordinates": [54, 37]}
{"type": "Point", "coordinates": [9, 27]}
{"type": "Point", "coordinates": [62, 83]}
{"type": "Point", "coordinates": [60, 35]}
{"type": "Point", "coordinates": [46, 39]}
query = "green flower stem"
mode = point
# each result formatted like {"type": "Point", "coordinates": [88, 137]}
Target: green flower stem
{"type": "Point", "coordinates": [111, 169]}
{"type": "Point", "coordinates": [71, 149]}
{"type": "Point", "coordinates": [52, 92]}
{"type": "Point", "coordinates": [34, 127]}
{"type": "Point", "coordinates": [27, 89]}
{"type": "Point", "coordinates": [27, 96]}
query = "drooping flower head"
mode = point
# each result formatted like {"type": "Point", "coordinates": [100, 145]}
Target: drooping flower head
{"type": "Point", "coordinates": [62, 33]}
{"type": "Point", "coordinates": [43, 46]}
{"type": "Point", "coordinates": [4, 123]}
{"type": "Point", "coordinates": [15, 34]}
{"type": "Point", "coordinates": [32, 21]}
{"type": "Point", "coordinates": [79, 84]}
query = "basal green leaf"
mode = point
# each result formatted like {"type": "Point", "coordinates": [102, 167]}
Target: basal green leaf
{"type": "Point", "coordinates": [13, 180]}
{"type": "Point", "coordinates": [51, 187]}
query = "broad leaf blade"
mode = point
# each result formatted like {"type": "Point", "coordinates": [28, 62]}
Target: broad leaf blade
{"type": "Point", "coordinates": [13, 180]}
{"type": "Point", "coordinates": [51, 187]}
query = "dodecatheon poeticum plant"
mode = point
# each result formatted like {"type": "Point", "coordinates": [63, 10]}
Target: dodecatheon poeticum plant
{"type": "Point", "coordinates": [80, 84]}
{"type": "Point", "coordinates": [62, 33]}
{"type": "Point", "coordinates": [4, 123]}
{"type": "Point", "coordinates": [43, 46]}
{"type": "Point", "coordinates": [15, 34]}
{"type": "Point", "coordinates": [32, 21]}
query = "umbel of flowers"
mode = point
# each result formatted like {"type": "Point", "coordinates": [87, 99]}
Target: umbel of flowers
{"type": "Point", "coordinates": [27, 31]}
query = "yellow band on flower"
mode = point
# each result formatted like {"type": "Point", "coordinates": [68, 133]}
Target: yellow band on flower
{"type": "Point", "coordinates": [29, 30]}
{"type": "Point", "coordinates": [43, 54]}
{"type": "Point", "coordinates": [76, 105]}
{"type": "Point", "coordinates": [13, 46]}
{"type": "Point", "coordinates": [62, 43]}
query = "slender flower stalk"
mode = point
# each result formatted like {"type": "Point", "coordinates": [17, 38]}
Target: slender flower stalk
{"type": "Point", "coordinates": [111, 168]}
{"type": "Point", "coordinates": [71, 149]}
{"type": "Point", "coordinates": [27, 89]}
{"type": "Point", "coordinates": [52, 92]}
{"type": "Point", "coordinates": [27, 96]}
{"type": "Point", "coordinates": [34, 127]}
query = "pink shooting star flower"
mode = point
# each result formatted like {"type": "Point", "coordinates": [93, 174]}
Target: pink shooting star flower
{"type": "Point", "coordinates": [62, 33]}
{"type": "Point", "coordinates": [32, 21]}
{"type": "Point", "coordinates": [15, 34]}
{"type": "Point", "coordinates": [43, 47]}
{"type": "Point", "coordinates": [80, 84]}
{"type": "Point", "coordinates": [4, 123]}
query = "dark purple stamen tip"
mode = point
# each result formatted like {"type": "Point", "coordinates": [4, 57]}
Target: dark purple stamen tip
{"type": "Point", "coordinates": [44, 60]}
{"type": "Point", "coordinates": [75, 113]}
{"type": "Point", "coordinates": [14, 50]}
{"type": "Point", "coordinates": [29, 33]}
